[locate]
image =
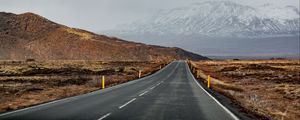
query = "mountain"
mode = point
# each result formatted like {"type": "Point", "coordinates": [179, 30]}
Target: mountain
{"type": "Point", "coordinates": [221, 18]}
{"type": "Point", "coordinates": [24, 36]}
{"type": "Point", "coordinates": [200, 27]}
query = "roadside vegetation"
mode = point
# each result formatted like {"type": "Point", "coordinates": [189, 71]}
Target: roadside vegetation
{"type": "Point", "coordinates": [27, 83]}
{"type": "Point", "coordinates": [268, 88]}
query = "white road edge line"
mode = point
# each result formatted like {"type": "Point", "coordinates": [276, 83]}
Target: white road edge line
{"type": "Point", "coordinates": [228, 111]}
{"type": "Point", "coordinates": [44, 104]}
{"type": "Point", "coordinates": [104, 116]}
{"type": "Point", "coordinates": [143, 93]}
{"type": "Point", "coordinates": [127, 103]}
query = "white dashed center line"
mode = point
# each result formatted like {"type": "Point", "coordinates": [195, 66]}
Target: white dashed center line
{"type": "Point", "coordinates": [143, 93]}
{"type": "Point", "coordinates": [127, 103]}
{"type": "Point", "coordinates": [104, 116]}
{"type": "Point", "coordinates": [120, 107]}
{"type": "Point", "coordinates": [152, 87]}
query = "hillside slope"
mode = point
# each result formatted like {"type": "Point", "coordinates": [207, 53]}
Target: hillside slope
{"type": "Point", "coordinates": [29, 35]}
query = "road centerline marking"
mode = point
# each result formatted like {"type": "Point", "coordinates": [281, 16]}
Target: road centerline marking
{"type": "Point", "coordinates": [127, 103]}
{"type": "Point", "coordinates": [152, 87]}
{"type": "Point", "coordinates": [144, 93]}
{"type": "Point", "coordinates": [104, 116]}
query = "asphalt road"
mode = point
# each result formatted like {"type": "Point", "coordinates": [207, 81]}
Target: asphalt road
{"type": "Point", "coordinates": [170, 94]}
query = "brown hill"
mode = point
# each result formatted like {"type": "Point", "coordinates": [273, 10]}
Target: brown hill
{"type": "Point", "coordinates": [29, 35]}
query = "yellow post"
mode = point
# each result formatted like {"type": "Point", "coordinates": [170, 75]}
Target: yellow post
{"type": "Point", "coordinates": [103, 82]}
{"type": "Point", "coordinates": [140, 73]}
{"type": "Point", "coordinates": [208, 81]}
{"type": "Point", "coordinates": [198, 73]}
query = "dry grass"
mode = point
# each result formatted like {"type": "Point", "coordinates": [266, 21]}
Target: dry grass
{"type": "Point", "coordinates": [270, 88]}
{"type": "Point", "coordinates": [24, 83]}
{"type": "Point", "coordinates": [81, 34]}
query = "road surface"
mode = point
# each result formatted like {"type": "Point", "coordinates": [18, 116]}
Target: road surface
{"type": "Point", "coordinates": [170, 94]}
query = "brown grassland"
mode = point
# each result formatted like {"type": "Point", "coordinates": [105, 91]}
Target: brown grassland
{"type": "Point", "coordinates": [268, 88]}
{"type": "Point", "coordinates": [27, 83]}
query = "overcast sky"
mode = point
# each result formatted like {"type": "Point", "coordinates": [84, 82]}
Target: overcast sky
{"type": "Point", "coordinates": [98, 15]}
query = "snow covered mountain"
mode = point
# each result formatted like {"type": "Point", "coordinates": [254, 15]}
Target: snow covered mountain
{"type": "Point", "coordinates": [221, 29]}
{"type": "Point", "coordinates": [220, 18]}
